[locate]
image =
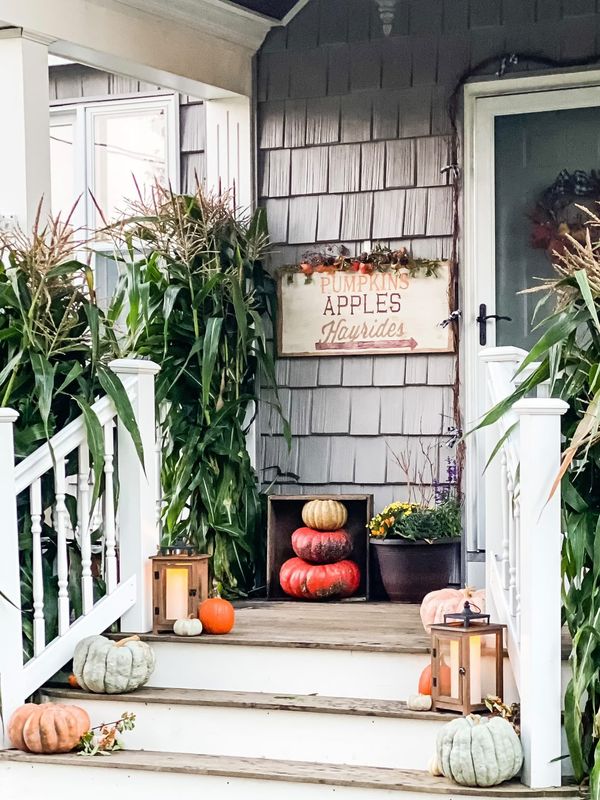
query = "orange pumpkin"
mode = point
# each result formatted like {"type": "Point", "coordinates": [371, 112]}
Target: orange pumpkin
{"type": "Point", "coordinates": [216, 615]}
{"type": "Point", "coordinates": [47, 728]}
{"type": "Point", "coordinates": [448, 601]}
{"type": "Point", "coordinates": [72, 681]}
{"type": "Point", "coordinates": [425, 680]}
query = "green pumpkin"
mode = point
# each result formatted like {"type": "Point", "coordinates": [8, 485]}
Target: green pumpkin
{"type": "Point", "coordinates": [107, 667]}
{"type": "Point", "coordinates": [478, 751]}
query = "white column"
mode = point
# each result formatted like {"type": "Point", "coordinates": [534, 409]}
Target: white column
{"type": "Point", "coordinates": [11, 652]}
{"type": "Point", "coordinates": [540, 588]}
{"type": "Point", "coordinates": [229, 148]}
{"type": "Point", "coordinates": [24, 133]}
{"type": "Point", "coordinates": [138, 529]}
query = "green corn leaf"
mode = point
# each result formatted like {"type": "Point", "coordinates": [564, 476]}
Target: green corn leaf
{"type": "Point", "coordinates": [115, 390]}
{"type": "Point", "coordinates": [586, 292]}
{"type": "Point", "coordinates": [43, 372]}
{"type": "Point", "coordinates": [95, 438]}
{"type": "Point", "coordinates": [210, 351]}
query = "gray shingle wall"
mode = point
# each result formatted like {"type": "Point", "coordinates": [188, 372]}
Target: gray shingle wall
{"type": "Point", "coordinates": [76, 82]}
{"type": "Point", "coordinates": [353, 132]}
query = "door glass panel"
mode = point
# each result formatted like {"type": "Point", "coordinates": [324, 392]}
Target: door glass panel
{"type": "Point", "coordinates": [531, 150]}
{"type": "Point", "coordinates": [62, 168]}
{"type": "Point", "coordinates": [130, 147]}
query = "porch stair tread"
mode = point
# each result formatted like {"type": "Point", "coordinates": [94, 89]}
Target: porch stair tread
{"type": "Point", "coordinates": [321, 704]}
{"type": "Point", "coordinates": [358, 777]}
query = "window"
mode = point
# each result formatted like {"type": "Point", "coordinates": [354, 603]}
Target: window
{"type": "Point", "coordinates": [111, 147]}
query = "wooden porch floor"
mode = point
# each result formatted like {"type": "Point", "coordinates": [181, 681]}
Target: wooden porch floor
{"type": "Point", "coordinates": [384, 627]}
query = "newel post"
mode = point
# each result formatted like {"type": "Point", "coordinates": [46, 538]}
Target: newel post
{"type": "Point", "coordinates": [138, 528]}
{"type": "Point", "coordinates": [540, 589]}
{"type": "Point", "coordinates": [11, 652]}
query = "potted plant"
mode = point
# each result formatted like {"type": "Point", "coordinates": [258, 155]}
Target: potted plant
{"type": "Point", "coordinates": [415, 546]}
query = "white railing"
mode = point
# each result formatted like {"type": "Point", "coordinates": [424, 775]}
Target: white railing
{"type": "Point", "coordinates": [523, 555]}
{"type": "Point", "coordinates": [113, 539]}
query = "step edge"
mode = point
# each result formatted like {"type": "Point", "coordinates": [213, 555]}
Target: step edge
{"type": "Point", "coordinates": [246, 768]}
{"type": "Point", "coordinates": [231, 641]}
{"type": "Point", "coordinates": [271, 702]}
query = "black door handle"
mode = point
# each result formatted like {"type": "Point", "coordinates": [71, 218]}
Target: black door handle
{"type": "Point", "coordinates": [482, 322]}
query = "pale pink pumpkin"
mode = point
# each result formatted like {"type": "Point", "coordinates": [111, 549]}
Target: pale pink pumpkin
{"type": "Point", "coordinates": [449, 601]}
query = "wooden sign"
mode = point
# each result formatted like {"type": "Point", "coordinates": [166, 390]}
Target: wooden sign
{"type": "Point", "coordinates": [350, 313]}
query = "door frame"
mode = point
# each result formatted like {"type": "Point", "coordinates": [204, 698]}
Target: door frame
{"type": "Point", "coordinates": [483, 102]}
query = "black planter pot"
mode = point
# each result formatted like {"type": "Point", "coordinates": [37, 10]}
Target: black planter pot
{"type": "Point", "coordinates": [406, 571]}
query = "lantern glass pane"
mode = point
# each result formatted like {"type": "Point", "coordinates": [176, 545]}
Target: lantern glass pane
{"type": "Point", "coordinates": [487, 668]}
{"type": "Point", "coordinates": [177, 592]}
{"type": "Point", "coordinates": [449, 665]}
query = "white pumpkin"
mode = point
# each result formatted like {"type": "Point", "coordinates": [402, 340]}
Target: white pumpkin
{"type": "Point", "coordinates": [104, 666]}
{"type": "Point", "coordinates": [419, 702]}
{"type": "Point", "coordinates": [448, 601]}
{"type": "Point", "coordinates": [187, 627]}
{"type": "Point", "coordinates": [479, 751]}
{"type": "Point", "coordinates": [324, 515]}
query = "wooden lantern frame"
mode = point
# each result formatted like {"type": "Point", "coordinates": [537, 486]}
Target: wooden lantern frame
{"type": "Point", "coordinates": [461, 634]}
{"type": "Point", "coordinates": [197, 567]}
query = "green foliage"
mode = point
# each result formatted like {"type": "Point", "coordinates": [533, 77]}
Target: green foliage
{"type": "Point", "coordinates": [51, 348]}
{"type": "Point", "coordinates": [418, 523]}
{"type": "Point", "coordinates": [569, 354]}
{"type": "Point", "coordinates": [194, 302]}
{"type": "Point", "coordinates": [104, 739]}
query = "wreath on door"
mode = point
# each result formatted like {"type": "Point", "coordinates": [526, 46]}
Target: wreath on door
{"type": "Point", "coordinates": [563, 210]}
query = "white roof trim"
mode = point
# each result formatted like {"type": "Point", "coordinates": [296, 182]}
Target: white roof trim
{"type": "Point", "coordinates": [293, 11]}
{"type": "Point", "coordinates": [215, 17]}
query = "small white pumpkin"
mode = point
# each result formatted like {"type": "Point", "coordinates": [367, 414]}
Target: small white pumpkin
{"type": "Point", "coordinates": [419, 702]}
{"type": "Point", "coordinates": [108, 667]}
{"type": "Point", "coordinates": [187, 627]}
{"type": "Point", "coordinates": [479, 751]}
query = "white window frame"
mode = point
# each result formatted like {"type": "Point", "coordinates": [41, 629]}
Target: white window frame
{"type": "Point", "coordinates": [84, 113]}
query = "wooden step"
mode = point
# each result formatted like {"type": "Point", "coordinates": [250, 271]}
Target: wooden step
{"type": "Point", "coordinates": [380, 733]}
{"type": "Point", "coordinates": [354, 706]}
{"type": "Point", "coordinates": [158, 774]}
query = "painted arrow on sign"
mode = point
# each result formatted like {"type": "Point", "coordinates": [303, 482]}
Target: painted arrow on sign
{"type": "Point", "coordinates": [399, 344]}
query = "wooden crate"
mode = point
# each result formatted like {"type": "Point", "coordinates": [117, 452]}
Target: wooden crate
{"type": "Point", "coordinates": [285, 515]}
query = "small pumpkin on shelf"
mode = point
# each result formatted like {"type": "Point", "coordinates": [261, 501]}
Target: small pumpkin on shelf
{"type": "Point", "coordinates": [419, 702]}
{"type": "Point", "coordinates": [190, 626]}
{"type": "Point", "coordinates": [321, 547]}
{"type": "Point", "coordinates": [217, 615]}
{"type": "Point", "coordinates": [324, 515]}
{"type": "Point", "coordinates": [47, 728]}
{"type": "Point", "coordinates": [425, 680]}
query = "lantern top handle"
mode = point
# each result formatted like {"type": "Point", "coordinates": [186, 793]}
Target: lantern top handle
{"type": "Point", "coordinates": [467, 616]}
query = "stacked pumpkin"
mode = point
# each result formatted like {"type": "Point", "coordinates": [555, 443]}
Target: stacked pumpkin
{"type": "Point", "coordinates": [321, 569]}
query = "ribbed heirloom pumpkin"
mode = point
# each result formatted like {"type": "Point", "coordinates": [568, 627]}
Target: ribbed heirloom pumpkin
{"type": "Point", "coordinates": [47, 728]}
{"type": "Point", "coordinates": [321, 547]}
{"type": "Point", "coordinates": [448, 601]}
{"type": "Point", "coordinates": [307, 581]}
{"type": "Point", "coordinates": [324, 515]}
{"type": "Point", "coordinates": [106, 667]}
{"type": "Point", "coordinates": [478, 751]}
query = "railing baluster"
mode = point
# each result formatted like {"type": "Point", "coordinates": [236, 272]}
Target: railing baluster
{"type": "Point", "coordinates": [512, 546]}
{"type": "Point", "coordinates": [62, 563]}
{"type": "Point", "coordinates": [518, 575]}
{"type": "Point", "coordinates": [83, 521]}
{"type": "Point", "coordinates": [506, 489]}
{"type": "Point", "coordinates": [39, 624]}
{"type": "Point", "coordinates": [158, 490]}
{"type": "Point", "coordinates": [109, 510]}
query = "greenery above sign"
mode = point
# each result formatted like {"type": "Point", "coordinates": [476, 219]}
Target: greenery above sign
{"type": "Point", "coordinates": [374, 308]}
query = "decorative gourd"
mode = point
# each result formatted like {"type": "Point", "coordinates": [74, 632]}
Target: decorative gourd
{"type": "Point", "coordinates": [191, 626]}
{"type": "Point", "coordinates": [448, 601]}
{"type": "Point", "coordinates": [479, 751]}
{"type": "Point", "coordinates": [419, 702]}
{"type": "Point", "coordinates": [216, 615]}
{"type": "Point", "coordinates": [106, 667]}
{"type": "Point", "coordinates": [307, 581]}
{"type": "Point", "coordinates": [324, 515]}
{"type": "Point", "coordinates": [425, 680]}
{"type": "Point", "coordinates": [47, 728]}
{"type": "Point", "coordinates": [321, 547]}
{"type": "Point", "coordinates": [72, 681]}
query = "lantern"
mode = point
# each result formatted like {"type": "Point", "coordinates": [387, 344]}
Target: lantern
{"type": "Point", "coordinates": [467, 654]}
{"type": "Point", "coordinates": [180, 583]}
